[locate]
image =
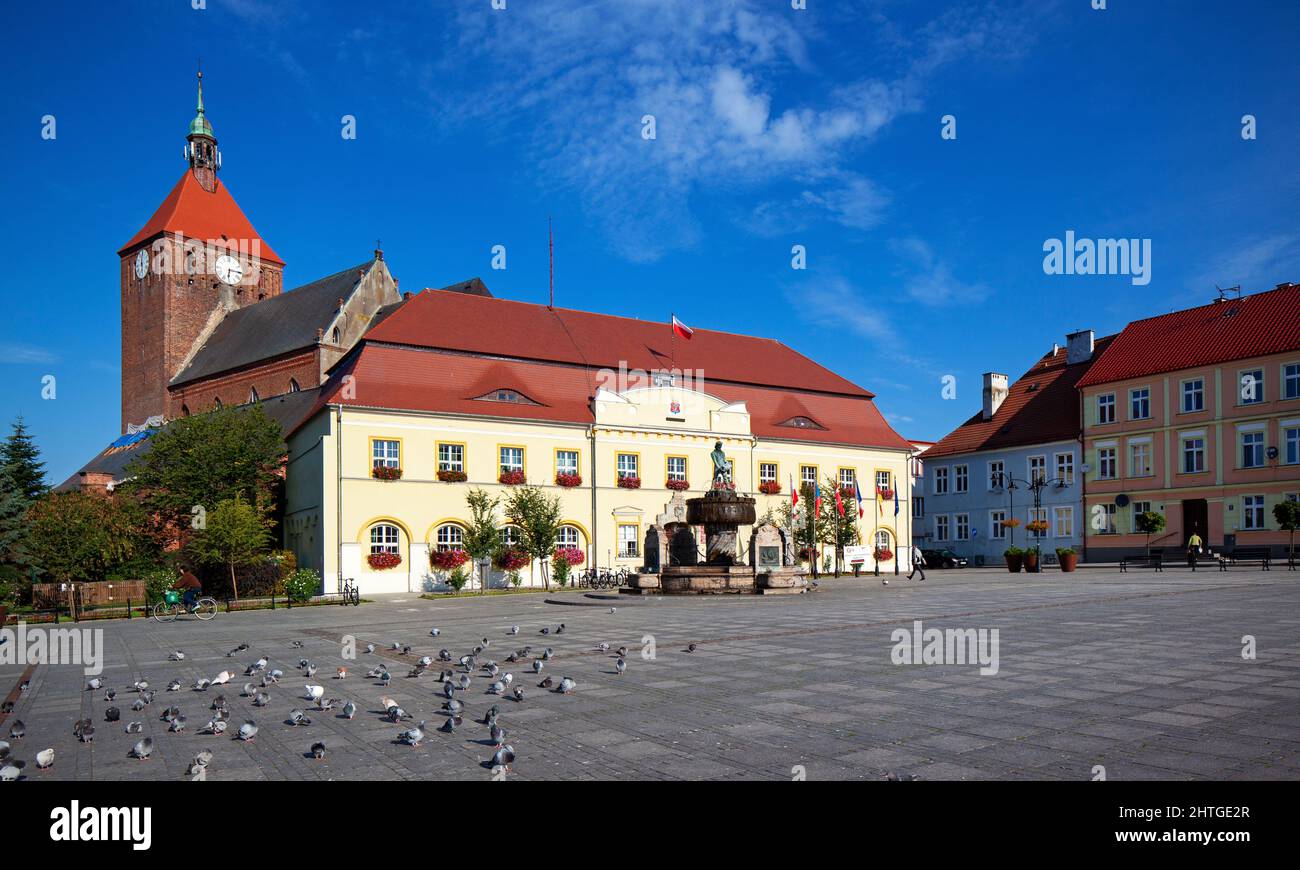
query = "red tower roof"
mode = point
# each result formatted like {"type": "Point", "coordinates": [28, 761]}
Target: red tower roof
{"type": "Point", "coordinates": [212, 217]}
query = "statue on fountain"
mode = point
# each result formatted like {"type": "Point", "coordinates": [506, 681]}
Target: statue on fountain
{"type": "Point", "coordinates": [721, 473]}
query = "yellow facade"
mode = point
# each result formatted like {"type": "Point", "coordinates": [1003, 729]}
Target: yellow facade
{"type": "Point", "coordinates": [331, 516]}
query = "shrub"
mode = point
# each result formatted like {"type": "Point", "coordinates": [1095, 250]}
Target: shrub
{"type": "Point", "coordinates": [514, 579]}
{"type": "Point", "coordinates": [157, 580]}
{"type": "Point", "coordinates": [562, 573]}
{"type": "Point", "coordinates": [1064, 551]}
{"type": "Point", "coordinates": [1013, 551]}
{"type": "Point", "coordinates": [302, 584]}
{"type": "Point", "coordinates": [458, 578]}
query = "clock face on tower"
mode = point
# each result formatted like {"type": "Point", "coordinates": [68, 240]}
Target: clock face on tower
{"type": "Point", "coordinates": [141, 263]}
{"type": "Point", "coordinates": [229, 270]}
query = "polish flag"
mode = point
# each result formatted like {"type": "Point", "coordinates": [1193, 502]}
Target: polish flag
{"type": "Point", "coordinates": [794, 493]}
{"type": "Point", "coordinates": [839, 505]}
{"type": "Point", "coordinates": [682, 330]}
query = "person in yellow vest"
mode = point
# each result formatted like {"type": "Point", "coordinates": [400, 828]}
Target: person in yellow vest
{"type": "Point", "coordinates": [1194, 544]}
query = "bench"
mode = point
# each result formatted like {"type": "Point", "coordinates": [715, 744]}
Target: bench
{"type": "Point", "coordinates": [1155, 559]}
{"type": "Point", "coordinates": [1246, 556]}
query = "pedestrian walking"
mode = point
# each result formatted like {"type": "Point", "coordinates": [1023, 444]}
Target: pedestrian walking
{"type": "Point", "coordinates": [918, 562]}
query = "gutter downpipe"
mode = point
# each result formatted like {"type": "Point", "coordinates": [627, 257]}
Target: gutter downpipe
{"type": "Point", "coordinates": [1084, 519]}
{"type": "Point", "coordinates": [338, 505]}
{"type": "Point", "coordinates": [595, 525]}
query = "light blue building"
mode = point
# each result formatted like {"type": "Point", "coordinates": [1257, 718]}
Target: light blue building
{"type": "Point", "coordinates": [1022, 446]}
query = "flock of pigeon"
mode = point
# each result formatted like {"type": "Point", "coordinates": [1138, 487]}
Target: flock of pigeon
{"type": "Point", "coordinates": [454, 674]}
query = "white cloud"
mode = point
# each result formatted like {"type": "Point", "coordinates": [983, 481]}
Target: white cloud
{"type": "Point", "coordinates": [15, 353]}
{"type": "Point", "coordinates": [1254, 264]}
{"type": "Point", "coordinates": [930, 281]}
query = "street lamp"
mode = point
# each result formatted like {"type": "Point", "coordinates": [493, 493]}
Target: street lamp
{"type": "Point", "coordinates": [1036, 485]}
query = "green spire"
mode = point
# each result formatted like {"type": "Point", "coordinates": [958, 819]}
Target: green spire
{"type": "Point", "coordinates": [200, 126]}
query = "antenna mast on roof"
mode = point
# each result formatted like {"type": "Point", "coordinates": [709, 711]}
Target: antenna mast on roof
{"type": "Point", "coordinates": [550, 256]}
{"type": "Point", "coordinates": [1224, 291]}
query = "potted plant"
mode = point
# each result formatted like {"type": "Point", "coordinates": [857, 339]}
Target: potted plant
{"type": "Point", "coordinates": [770, 487]}
{"type": "Point", "coordinates": [629, 482]}
{"type": "Point", "coordinates": [1029, 559]}
{"type": "Point", "coordinates": [1068, 558]}
{"type": "Point", "coordinates": [568, 480]}
{"type": "Point", "coordinates": [1014, 556]}
{"type": "Point", "coordinates": [679, 485]}
{"type": "Point", "coordinates": [386, 472]}
{"type": "Point", "coordinates": [448, 476]}
{"type": "Point", "coordinates": [512, 478]}
{"type": "Point", "coordinates": [383, 561]}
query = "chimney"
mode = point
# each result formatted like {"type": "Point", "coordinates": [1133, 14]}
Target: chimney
{"type": "Point", "coordinates": [1078, 346]}
{"type": "Point", "coordinates": [995, 392]}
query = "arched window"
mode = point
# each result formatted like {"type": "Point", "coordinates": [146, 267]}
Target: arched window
{"type": "Point", "coordinates": [509, 536]}
{"type": "Point", "coordinates": [383, 538]}
{"type": "Point", "coordinates": [334, 336]}
{"type": "Point", "coordinates": [884, 541]}
{"type": "Point", "coordinates": [568, 536]}
{"type": "Point", "coordinates": [216, 403]}
{"type": "Point", "coordinates": [185, 410]}
{"type": "Point", "coordinates": [253, 396]}
{"type": "Point", "coordinates": [293, 386]}
{"type": "Point", "coordinates": [450, 537]}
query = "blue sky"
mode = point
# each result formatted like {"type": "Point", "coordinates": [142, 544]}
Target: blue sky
{"type": "Point", "coordinates": [774, 127]}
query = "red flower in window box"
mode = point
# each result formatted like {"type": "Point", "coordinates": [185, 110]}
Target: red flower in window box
{"type": "Point", "coordinates": [884, 554]}
{"type": "Point", "coordinates": [629, 482]}
{"type": "Point", "coordinates": [770, 487]}
{"type": "Point", "coordinates": [680, 485]}
{"type": "Point", "coordinates": [567, 480]}
{"type": "Point", "coordinates": [512, 478]}
{"type": "Point", "coordinates": [452, 476]}
{"type": "Point", "coordinates": [383, 561]}
{"type": "Point", "coordinates": [511, 559]}
{"type": "Point", "coordinates": [569, 555]}
{"type": "Point", "coordinates": [448, 560]}
{"type": "Point", "coordinates": [885, 492]}
{"type": "Point", "coordinates": [385, 472]}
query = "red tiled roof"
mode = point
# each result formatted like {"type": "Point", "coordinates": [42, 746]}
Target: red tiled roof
{"type": "Point", "coordinates": [1041, 407]}
{"type": "Point", "coordinates": [398, 368]}
{"type": "Point", "coordinates": [197, 214]}
{"type": "Point", "coordinates": [503, 327]}
{"type": "Point", "coordinates": [1256, 325]}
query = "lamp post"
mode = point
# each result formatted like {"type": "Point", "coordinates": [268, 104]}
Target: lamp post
{"type": "Point", "coordinates": [1035, 485]}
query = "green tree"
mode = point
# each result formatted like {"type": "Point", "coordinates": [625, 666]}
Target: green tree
{"type": "Point", "coordinates": [80, 536]}
{"type": "Point", "coordinates": [21, 460]}
{"type": "Point", "coordinates": [1287, 514]}
{"type": "Point", "coordinates": [537, 516]}
{"type": "Point", "coordinates": [481, 538]}
{"type": "Point", "coordinates": [1150, 523]}
{"type": "Point", "coordinates": [838, 530]}
{"type": "Point", "coordinates": [200, 461]}
{"type": "Point", "coordinates": [235, 534]}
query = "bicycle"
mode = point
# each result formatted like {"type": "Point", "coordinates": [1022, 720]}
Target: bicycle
{"type": "Point", "coordinates": [171, 607]}
{"type": "Point", "coordinates": [351, 593]}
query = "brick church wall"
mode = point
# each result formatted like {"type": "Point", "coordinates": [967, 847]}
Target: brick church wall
{"type": "Point", "coordinates": [268, 377]}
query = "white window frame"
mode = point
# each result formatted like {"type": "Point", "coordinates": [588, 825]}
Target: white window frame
{"type": "Point", "coordinates": [1065, 470]}
{"type": "Point", "coordinates": [961, 526]}
{"type": "Point", "coordinates": [763, 475]}
{"type": "Point", "coordinates": [505, 465]}
{"type": "Point", "coordinates": [1257, 439]}
{"type": "Point", "coordinates": [997, 471]}
{"type": "Point", "coordinates": [449, 537]}
{"type": "Point", "coordinates": [385, 538]}
{"type": "Point", "coordinates": [627, 469]}
{"type": "Point", "coordinates": [942, 527]}
{"type": "Point", "coordinates": [1142, 395]}
{"type": "Point", "coordinates": [960, 478]}
{"type": "Point", "coordinates": [1290, 378]}
{"type": "Point", "coordinates": [1106, 457]}
{"type": "Point", "coordinates": [564, 467]}
{"type": "Point", "coordinates": [997, 531]}
{"type": "Point", "coordinates": [939, 484]}
{"type": "Point", "coordinates": [450, 464]}
{"type": "Point", "coordinates": [562, 537]}
{"type": "Point", "coordinates": [382, 455]}
{"type": "Point", "coordinates": [1134, 469]}
{"type": "Point", "coordinates": [1199, 452]}
{"type": "Point", "coordinates": [1039, 461]}
{"type": "Point", "coordinates": [1193, 387]}
{"type": "Point", "coordinates": [1291, 445]}
{"type": "Point", "coordinates": [1105, 408]}
{"type": "Point", "coordinates": [1248, 515]}
{"type": "Point", "coordinates": [629, 548]}
{"type": "Point", "coordinates": [1066, 511]}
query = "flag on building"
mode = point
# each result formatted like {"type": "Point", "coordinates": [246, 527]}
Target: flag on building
{"type": "Point", "coordinates": [895, 501]}
{"type": "Point", "coordinates": [839, 505]}
{"type": "Point", "coordinates": [794, 493]}
{"type": "Point", "coordinates": [817, 498]}
{"type": "Point", "coordinates": [858, 491]}
{"type": "Point", "coordinates": [681, 329]}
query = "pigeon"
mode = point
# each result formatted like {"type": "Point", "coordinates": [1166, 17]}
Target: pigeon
{"type": "Point", "coordinates": [537, 666]}
{"type": "Point", "coordinates": [142, 749]}
{"type": "Point", "coordinates": [170, 713]}
{"type": "Point", "coordinates": [141, 686]}
{"type": "Point", "coordinates": [396, 713]}
{"type": "Point", "coordinates": [464, 682]}
{"type": "Point", "coordinates": [518, 693]}
{"type": "Point", "coordinates": [453, 706]}
{"type": "Point", "coordinates": [137, 705]}
{"type": "Point", "coordinates": [406, 649]}
{"type": "Point", "coordinates": [249, 690]}
{"type": "Point", "coordinates": [5, 750]}
{"type": "Point", "coordinates": [385, 677]}
{"type": "Point", "coordinates": [24, 685]}
{"type": "Point", "coordinates": [134, 727]}
{"type": "Point", "coordinates": [566, 686]}
{"type": "Point", "coordinates": [444, 655]}
{"type": "Point", "coordinates": [218, 703]}
{"type": "Point", "coordinates": [503, 757]}
{"type": "Point", "coordinates": [325, 704]}
{"type": "Point", "coordinates": [452, 723]}
{"type": "Point", "coordinates": [622, 652]}
{"type": "Point", "coordinates": [298, 717]}
{"type": "Point", "coordinates": [560, 629]}
{"type": "Point", "coordinates": [546, 683]}
{"type": "Point", "coordinates": [690, 648]}
{"type": "Point", "coordinates": [514, 629]}
{"type": "Point", "coordinates": [491, 715]}
{"type": "Point", "coordinates": [9, 773]}
{"type": "Point", "coordinates": [341, 673]}
{"type": "Point", "coordinates": [261, 699]}
{"type": "Point", "coordinates": [413, 736]}
{"type": "Point", "coordinates": [8, 707]}
{"type": "Point", "coordinates": [497, 734]}
{"type": "Point", "coordinates": [273, 675]}
{"type": "Point", "coordinates": [314, 693]}
{"type": "Point", "coordinates": [201, 684]}
{"type": "Point", "coordinates": [45, 758]}
{"type": "Point", "coordinates": [214, 726]}
{"type": "Point", "coordinates": [906, 777]}
{"type": "Point", "coordinates": [87, 734]}
{"type": "Point", "coordinates": [297, 644]}
{"type": "Point", "coordinates": [241, 648]}
{"type": "Point", "coordinates": [497, 688]}
{"type": "Point", "coordinates": [434, 632]}
{"type": "Point", "coordinates": [110, 695]}
{"type": "Point", "coordinates": [112, 714]}
{"type": "Point", "coordinates": [176, 656]}
{"type": "Point", "coordinates": [94, 685]}
{"type": "Point", "coordinates": [17, 731]}
{"type": "Point", "coordinates": [546, 631]}
{"type": "Point", "coordinates": [548, 654]}
{"type": "Point", "coordinates": [492, 669]}
{"type": "Point", "coordinates": [222, 678]}
{"type": "Point", "coordinates": [302, 663]}
{"type": "Point", "coordinates": [508, 678]}
{"type": "Point", "coordinates": [259, 665]}
{"type": "Point", "coordinates": [370, 647]}
{"type": "Point", "coordinates": [613, 610]}
{"type": "Point", "coordinates": [177, 725]}
{"type": "Point", "coordinates": [247, 731]}
{"type": "Point", "coordinates": [620, 666]}
{"type": "Point", "coordinates": [349, 710]}
{"type": "Point", "coordinates": [602, 646]}
{"type": "Point", "coordinates": [200, 761]}
{"type": "Point", "coordinates": [174, 686]}
{"type": "Point", "coordinates": [318, 750]}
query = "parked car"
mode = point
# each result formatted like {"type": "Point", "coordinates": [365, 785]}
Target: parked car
{"type": "Point", "coordinates": [943, 559]}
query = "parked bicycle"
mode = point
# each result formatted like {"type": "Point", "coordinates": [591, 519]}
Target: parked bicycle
{"type": "Point", "coordinates": [171, 607]}
{"type": "Point", "coordinates": [351, 593]}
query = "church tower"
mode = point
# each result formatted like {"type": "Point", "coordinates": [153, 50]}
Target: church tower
{"type": "Point", "coordinates": [196, 259]}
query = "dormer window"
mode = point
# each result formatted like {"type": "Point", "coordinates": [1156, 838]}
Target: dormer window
{"type": "Point", "coordinates": [801, 422]}
{"type": "Point", "coordinates": [293, 386]}
{"type": "Point", "coordinates": [505, 394]}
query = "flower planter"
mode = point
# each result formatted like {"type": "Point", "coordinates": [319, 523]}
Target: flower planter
{"type": "Point", "coordinates": [680, 485]}
{"type": "Point", "coordinates": [511, 560]}
{"type": "Point", "coordinates": [383, 561]}
{"type": "Point", "coordinates": [629, 483]}
{"type": "Point", "coordinates": [769, 487]}
{"type": "Point", "coordinates": [1031, 561]}
{"type": "Point", "coordinates": [448, 560]}
{"type": "Point", "coordinates": [383, 472]}
{"type": "Point", "coordinates": [1069, 561]}
{"type": "Point", "coordinates": [569, 555]}
{"type": "Point", "coordinates": [884, 555]}
{"type": "Point", "coordinates": [568, 481]}
{"type": "Point", "coordinates": [452, 476]}
{"type": "Point", "coordinates": [512, 478]}
{"type": "Point", "coordinates": [1013, 563]}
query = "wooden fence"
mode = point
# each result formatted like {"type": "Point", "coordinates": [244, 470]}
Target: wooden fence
{"type": "Point", "coordinates": [54, 596]}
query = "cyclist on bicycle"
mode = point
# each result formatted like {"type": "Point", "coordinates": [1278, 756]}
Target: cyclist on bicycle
{"type": "Point", "coordinates": [191, 588]}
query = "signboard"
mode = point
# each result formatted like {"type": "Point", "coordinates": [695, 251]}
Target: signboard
{"type": "Point", "coordinates": [858, 554]}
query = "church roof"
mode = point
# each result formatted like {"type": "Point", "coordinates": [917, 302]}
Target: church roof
{"type": "Point", "coordinates": [273, 327]}
{"type": "Point", "coordinates": [211, 217]}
